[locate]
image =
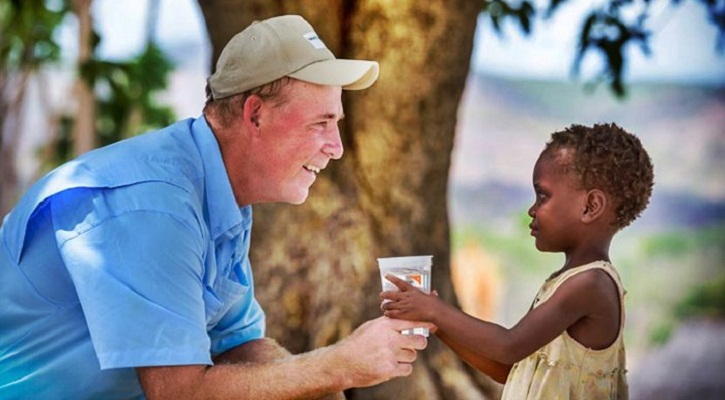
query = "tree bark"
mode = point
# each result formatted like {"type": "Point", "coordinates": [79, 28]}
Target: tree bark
{"type": "Point", "coordinates": [84, 132]}
{"type": "Point", "coordinates": [12, 98]}
{"type": "Point", "coordinates": [315, 265]}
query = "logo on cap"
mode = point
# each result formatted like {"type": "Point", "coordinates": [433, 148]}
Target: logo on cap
{"type": "Point", "coordinates": [314, 40]}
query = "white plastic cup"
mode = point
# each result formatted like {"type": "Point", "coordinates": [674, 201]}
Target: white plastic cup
{"type": "Point", "coordinates": [415, 270]}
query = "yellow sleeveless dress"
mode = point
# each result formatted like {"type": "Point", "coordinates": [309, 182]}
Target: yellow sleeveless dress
{"type": "Point", "coordinates": [565, 369]}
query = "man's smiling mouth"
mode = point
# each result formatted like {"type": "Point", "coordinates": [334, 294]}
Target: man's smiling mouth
{"type": "Point", "coordinates": [312, 168]}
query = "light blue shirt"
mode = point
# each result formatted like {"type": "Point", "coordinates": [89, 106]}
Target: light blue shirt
{"type": "Point", "coordinates": [134, 254]}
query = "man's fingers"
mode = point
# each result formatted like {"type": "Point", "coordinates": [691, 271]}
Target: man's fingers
{"type": "Point", "coordinates": [401, 324]}
{"type": "Point", "coordinates": [407, 355]}
{"type": "Point", "coordinates": [415, 342]}
{"type": "Point", "coordinates": [404, 369]}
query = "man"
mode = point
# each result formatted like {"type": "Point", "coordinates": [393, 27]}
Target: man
{"type": "Point", "coordinates": [125, 273]}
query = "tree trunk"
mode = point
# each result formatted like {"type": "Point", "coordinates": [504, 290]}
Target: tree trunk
{"type": "Point", "coordinates": [315, 265]}
{"type": "Point", "coordinates": [84, 132]}
{"type": "Point", "coordinates": [12, 99]}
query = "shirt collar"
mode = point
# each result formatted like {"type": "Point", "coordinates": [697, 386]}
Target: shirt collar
{"type": "Point", "coordinates": [225, 216]}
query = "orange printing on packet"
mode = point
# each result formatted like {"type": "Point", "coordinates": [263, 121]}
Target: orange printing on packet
{"type": "Point", "coordinates": [414, 277]}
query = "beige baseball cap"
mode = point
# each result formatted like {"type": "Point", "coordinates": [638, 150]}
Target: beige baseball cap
{"type": "Point", "coordinates": [284, 46]}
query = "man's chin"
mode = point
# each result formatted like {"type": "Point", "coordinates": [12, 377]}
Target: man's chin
{"type": "Point", "coordinates": [300, 198]}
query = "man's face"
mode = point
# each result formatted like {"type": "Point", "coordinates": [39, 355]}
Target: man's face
{"type": "Point", "coordinates": [295, 140]}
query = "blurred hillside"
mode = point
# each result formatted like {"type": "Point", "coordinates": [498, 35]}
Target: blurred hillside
{"type": "Point", "coordinates": [503, 125]}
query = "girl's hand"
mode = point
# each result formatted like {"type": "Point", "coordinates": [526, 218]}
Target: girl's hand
{"type": "Point", "coordinates": [409, 302]}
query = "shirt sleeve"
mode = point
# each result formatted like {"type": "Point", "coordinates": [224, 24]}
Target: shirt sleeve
{"type": "Point", "coordinates": [138, 276]}
{"type": "Point", "coordinates": [244, 319]}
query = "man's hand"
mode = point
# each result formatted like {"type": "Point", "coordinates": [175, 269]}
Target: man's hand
{"type": "Point", "coordinates": [376, 351]}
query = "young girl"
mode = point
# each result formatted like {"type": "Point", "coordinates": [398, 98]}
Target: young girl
{"type": "Point", "coordinates": [590, 182]}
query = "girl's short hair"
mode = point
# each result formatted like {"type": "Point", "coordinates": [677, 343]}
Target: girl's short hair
{"type": "Point", "coordinates": [607, 157]}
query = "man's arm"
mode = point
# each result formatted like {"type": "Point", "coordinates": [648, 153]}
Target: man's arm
{"type": "Point", "coordinates": [373, 353]}
{"type": "Point", "coordinates": [261, 351]}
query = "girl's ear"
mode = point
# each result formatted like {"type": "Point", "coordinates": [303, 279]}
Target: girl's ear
{"type": "Point", "coordinates": [596, 204]}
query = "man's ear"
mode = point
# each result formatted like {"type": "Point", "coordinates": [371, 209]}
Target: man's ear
{"type": "Point", "coordinates": [252, 107]}
{"type": "Point", "coordinates": [596, 204]}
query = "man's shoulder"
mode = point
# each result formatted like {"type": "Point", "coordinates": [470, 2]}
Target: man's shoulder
{"type": "Point", "coordinates": [165, 158]}
{"type": "Point", "coordinates": [166, 153]}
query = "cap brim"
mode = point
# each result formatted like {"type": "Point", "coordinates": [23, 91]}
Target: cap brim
{"type": "Point", "coordinates": [350, 74]}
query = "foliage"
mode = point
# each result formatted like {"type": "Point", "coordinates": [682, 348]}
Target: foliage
{"type": "Point", "coordinates": [26, 33]}
{"type": "Point", "coordinates": [678, 243]}
{"type": "Point", "coordinates": [661, 334]}
{"type": "Point", "coordinates": [125, 98]}
{"type": "Point", "coordinates": [124, 89]}
{"type": "Point", "coordinates": [716, 14]}
{"type": "Point", "coordinates": [675, 275]}
{"type": "Point", "coordinates": [667, 244]}
{"type": "Point", "coordinates": [499, 10]}
{"type": "Point", "coordinates": [126, 93]}
{"type": "Point", "coordinates": [26, 44]}
{"type": "Point", "coordinates": [707, 299]}
{"type": "Point", "coordinates": [607, 30]}
{"type": "Point", "coordinates": [703, 300]}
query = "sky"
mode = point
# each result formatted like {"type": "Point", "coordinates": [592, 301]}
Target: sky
{"type": "Point", "coordinates": [683, 43]}
{"type": "Point", "coordinates": [683, 46]}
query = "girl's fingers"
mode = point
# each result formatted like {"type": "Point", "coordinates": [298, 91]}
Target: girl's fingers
{"type": "Point", "coordinates": [401, 284]}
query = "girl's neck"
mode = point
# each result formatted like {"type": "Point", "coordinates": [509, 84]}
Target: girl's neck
{"type": "Point", "coordinates": [583, 258]}
{"type": "Point", "coordinates": [588, 250]}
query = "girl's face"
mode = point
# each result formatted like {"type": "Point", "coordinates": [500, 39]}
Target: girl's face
{"type": "Point", "coordinates": [558, 206]}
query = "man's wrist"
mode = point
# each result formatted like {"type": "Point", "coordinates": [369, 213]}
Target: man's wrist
{"type": "Point", "coordinates": [334, 365]}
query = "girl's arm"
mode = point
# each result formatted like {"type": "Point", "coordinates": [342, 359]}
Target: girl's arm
{"type": "Point", "coordinates": [497, 371]}
{"type": "Point", "coordinates": [576, 299]}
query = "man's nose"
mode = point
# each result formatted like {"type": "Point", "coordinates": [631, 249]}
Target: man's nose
{"type": "Point", "coordinates": [333, 146]}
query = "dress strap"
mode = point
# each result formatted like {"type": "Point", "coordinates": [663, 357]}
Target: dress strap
{"type": "Point", "coordinates": [556, 282]}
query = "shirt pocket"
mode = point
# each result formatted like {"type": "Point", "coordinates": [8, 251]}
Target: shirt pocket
{"type": "Point", "coordinates": [220, 297]}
